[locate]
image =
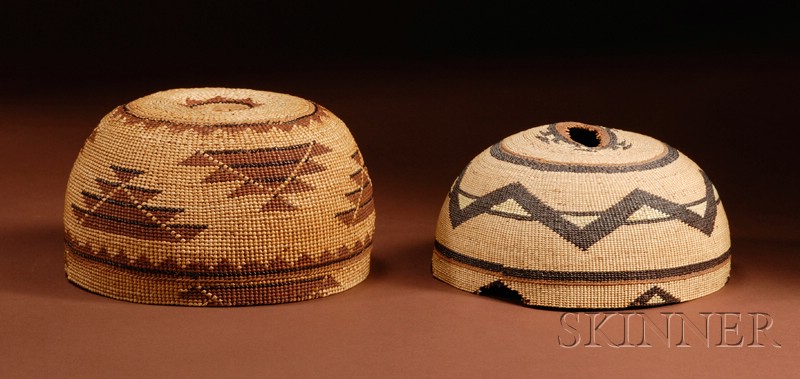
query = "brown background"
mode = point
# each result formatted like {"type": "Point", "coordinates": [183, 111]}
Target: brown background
{"type": "Point", "coordinates": [423, 89]}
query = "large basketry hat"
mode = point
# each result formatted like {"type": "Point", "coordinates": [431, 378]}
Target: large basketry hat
{"type": "Point", "coordinates": [216, 196]}
{"type": "Point", "coordinates": [579, 216]}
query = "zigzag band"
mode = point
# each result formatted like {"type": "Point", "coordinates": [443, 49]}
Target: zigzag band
{"type": "Point", "coordinates": [533, 209]}
{"type": "Point", "coordinates": [81, 253]}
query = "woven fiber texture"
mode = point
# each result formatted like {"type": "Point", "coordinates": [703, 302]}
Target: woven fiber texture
{"type": "Point", "coordinates": [218, 197]}
{"type": "Point", "coordinates": [571, 215]}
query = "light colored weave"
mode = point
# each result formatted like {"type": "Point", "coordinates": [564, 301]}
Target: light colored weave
{"type": "Point", "coordinates": [579, 216]}
{"type": "Point", "coordinates": [222, 197]}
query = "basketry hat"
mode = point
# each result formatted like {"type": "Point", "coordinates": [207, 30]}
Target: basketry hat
{"type": "Point", "coordinates": [571, 215]}
{"type": "Point", "coordinates": [219, 197]}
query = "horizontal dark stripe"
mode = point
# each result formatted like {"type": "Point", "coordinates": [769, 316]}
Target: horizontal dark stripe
{"type": "Point", "coordinates": [365, 203]}
{"type": "Point", "coordinates": [116, 219]}
{"type": "Point", "coordinates": [127, 170]}
{"type": "Point", "coordinates": [187, 226]}
{"type": "Point", "coordinates": [226, 101]}
{"type": "Point", "coordinates": [259, 150]}
{"type": "Point", "coordinates": [264, 164]}
{"type": "Point", "coordinates": [121, 220]}
{"type": "Point", "coordinates": [354, 174]}
{"type": "Point", "coordinates": [129, 205]}
{"type": "Point", "coordinates": [135, 188]}
{"type": "Point", "coordinates": [357, 190]}
{"type": "Point", "coordinates": [580, 276]}
{"type": "Point", "coordinates": [498, 152]}
{"type": "Point", "coordinates": [73, 250]}
{"type": "Point", "coordinates": [351, 210]}
{"type": "Point", "coordinates": [270, 179]}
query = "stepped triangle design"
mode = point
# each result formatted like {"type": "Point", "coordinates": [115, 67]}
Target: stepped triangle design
{"type": "Point", "coordinates": [516, 202]}
{"type": "Point", "coordinates": [361, 197]}
{"type": "Point", "coordinates": [273, 171]}
{"type": "Point", "coordinates": [121, 208]}
{"type": "Point", "coordinates": [655, 295]}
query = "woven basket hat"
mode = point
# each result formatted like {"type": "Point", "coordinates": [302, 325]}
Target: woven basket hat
{"type": "Point", "coordinates": [219, 197]}
{"type": "Point", "coordinates": [571, 215]}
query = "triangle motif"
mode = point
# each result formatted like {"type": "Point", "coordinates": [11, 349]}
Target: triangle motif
{"type": "Point", "coordinates": [654, 296]}
{"type": "Point", "coordinates": [464, 201]}
{"type": "Point", "coordinates": [361, 196]}
{"type": "Point", "coordinates": [580, 221]}
{"type": "Point", "coordinates": [510, 206]}
{"type": "Point", "coordinates": [656, 299]}
{"type": "Point", "coordinates": [646, 213]}
{"type": "Point", "coordinates": [122, 209]}
{"type": "Point", "coordinates": [700, 209]}
{"type": "Point", "coordinates": [273, 171]}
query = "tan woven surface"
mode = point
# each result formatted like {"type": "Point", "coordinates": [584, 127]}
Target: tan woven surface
{"type": "Point", "coordinates": [218, 196]}
{"type": "Point", "coordinates": [580, 216]}
{"type": "Point", "coordinates": [417, 129]}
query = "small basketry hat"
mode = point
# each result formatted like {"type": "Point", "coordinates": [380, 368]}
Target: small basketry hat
{"type": "Point", "coordinates": [571, 215]}
{"type": "Point", "coordinates": [220, 197]}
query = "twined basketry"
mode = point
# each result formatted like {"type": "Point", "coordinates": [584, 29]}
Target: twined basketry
{"type": "Point", "coordinates": [571, 215]}
{"type": "Point", "coordinates": [218, 197]}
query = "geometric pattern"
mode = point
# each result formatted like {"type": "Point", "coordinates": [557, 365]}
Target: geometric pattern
{"type": "Point", "coordinates": [277, 266]}
{"type": "Point", "coordinates": [669, 155]}
{"type": "Point", "coordinates": [584, 229]}
{"type": "Point", "coordinates": [123, 114]}
{"type": "Point", "coordinates": [500, 290]}
{"type": "Point", "coordinates": [552, 135]}
{"type": "Point", "coordinates": [578, 277]}
{"type": "Point", "coordinates": [267, 171]}
{"type": "Point", "coordinates": [221, 100]}
{"type": "Point", "coordinates": [122, 209]}
{"type": "Point", "coordinates": [227, 159]}
{"type": "Point", "coordinates": [654, 296]}
{"type": "Point", "coordinates": [361, 197]}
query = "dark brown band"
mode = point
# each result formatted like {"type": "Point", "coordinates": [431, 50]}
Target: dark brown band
{"type": "Point", "coordinates": [500, 153]}
{"type": "Point", "coordinates": [580, 276]}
